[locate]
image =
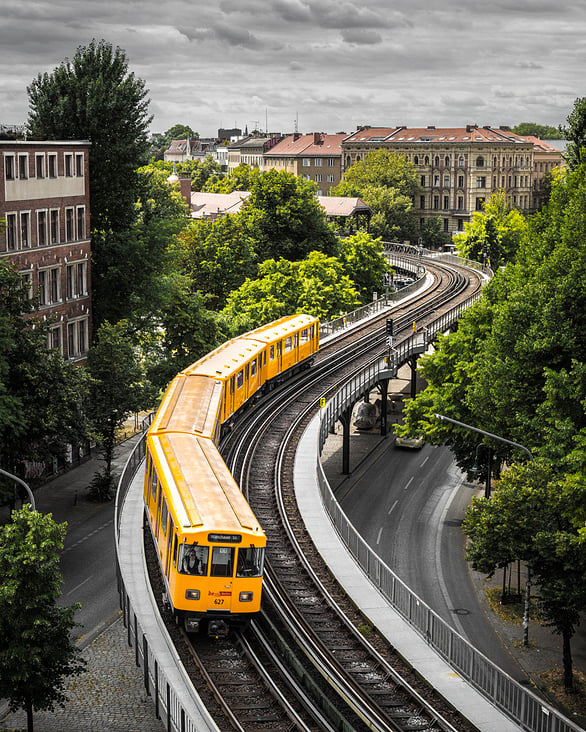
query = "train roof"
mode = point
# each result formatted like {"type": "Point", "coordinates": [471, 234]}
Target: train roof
{"type": "Point", "coordinates": [282, 327]}
{"type": "Point", "coordinates": [204, 495]}
{"type": "Point", "coordinates": [191, 404]}
{"type": "Point", "coordinates": [226, 359]}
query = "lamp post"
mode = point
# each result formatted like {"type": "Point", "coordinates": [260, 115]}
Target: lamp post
{"type": "Point", "coordinates": [531, 458]}
{"type": "Point", "coordinates": [23, 484]}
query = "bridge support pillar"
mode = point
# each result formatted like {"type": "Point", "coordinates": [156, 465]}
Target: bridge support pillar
{"type": "Point", "coordinates": [413, 364]}
{"type": "Point", "coordinates": [383, 387]}
{"type": "Point", "coordinates": [345, 418]}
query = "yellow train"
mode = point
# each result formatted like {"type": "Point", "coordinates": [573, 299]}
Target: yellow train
{"type": "Point", "coordinates": [209, 544]}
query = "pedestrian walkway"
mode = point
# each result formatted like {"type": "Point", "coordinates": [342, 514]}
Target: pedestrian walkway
{"type": "Point", "coordinates": [110, 695]}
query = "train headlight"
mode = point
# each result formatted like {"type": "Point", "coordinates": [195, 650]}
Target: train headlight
{"type": "Point", "coordinates": [246, 596]}
{"type": "Point", "coordinates": [192, 594]}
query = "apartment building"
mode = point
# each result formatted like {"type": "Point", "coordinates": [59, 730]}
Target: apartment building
{"type": "Point", "coordinates": [458, 167]}
{"type": "Point", "coordinates": [45, 202]}
{"type": "Point", "coordinates": [250, 150]}
{"type": "Point", "coordinates": [316, 157]}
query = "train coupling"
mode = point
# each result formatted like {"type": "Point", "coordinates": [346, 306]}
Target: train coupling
{"type": "Point", "coordinates": [218, 629]}
{"type": "Point", "coordinates": [191, 624]}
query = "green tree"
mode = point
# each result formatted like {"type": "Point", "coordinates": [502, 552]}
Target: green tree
{"type": "Point", "coordinates": [36, 651]}
{"type": "Point", "coordinates": [199, 171]}
{"type": "Point", "coordinates": [240, 179]}
{"type": "Point", "coordinates": [218, 256]}
{"type": "Point", "coordinates": [575, 132]}
{"type": "Point", "coordinates": [494, 235]}
{"type": "Point", "coordinates": [388, 183]}
{"type": "Point", "coordinates": [284, 217]}
{"type": "Point", "coordinates": [544, 132]}
{"type": "Point", "coordinates": [364, 263]}
{"type": "Point", "coordinates": [432, 234]}
{"type": "Point", "coordinates": [95, 97]}
{"type": "Point", "coordinates": [316, 285]}
{"type": "Point", "coordinates": [118, 389]}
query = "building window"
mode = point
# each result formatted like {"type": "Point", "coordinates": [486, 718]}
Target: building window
{"type": "Point", "coordinates": [55, 285]}
{"type": "Point", "coordinates": [447, 161]}
{"type": "Point", "coordinates": [79, 165]}
{"type": "Point", "coordinates": [81, 337]}
{"type": "Point", "coordinates": [318, 178]}
{"type": "Point", "coordinates": [480, 204]}
{"type": "Point", "coordinates": [427, 160]}
{"type": "Point", "coordinates": [460, 181]}
{"type": "Point", "coordinates": [306, 162]}
{"type": "Point", "coordinates": [480, 162]}
{"type": "Point", "coordinates": [436, 161]}
{"type": "Point", "coordinates": [40, 166]}
{"type": "Point", "coordinates": [461, 161]}
{"type": "Point", "coordinates": [42, 228]}
{"type": "Point", "coordinates": [69, 165]}
{"type": "Point", "coordinates": [9, 171]}
{"type": "Point", "coordinates": [317, 162]}
{"type": "Point", "coordinates": [460, 203]}
{"type": "Point", "coordinates": [331, 162]}
{"type": "Point", "coordinates": [69, 228]}
{"type": "Point", "coordinates": [52, 165]}
{"type": "Point", "coordinates": [54, 226]}
{"type": "Point", "coordinates": [446, 202]}
{"type": "Point", "coordinates": [25, 229]}
{"type": "Point", "coordinates": [81, 222]}
{"type": "Point", "coordinates": [423, 181]}
{"type": "Point", "coordinates": [481, 182]}
{"type": "Point", "coordinates": [70, 340]}
{"type": "Point", "coordinates": [416, 160]}
{"type": "Point", "coordinates": [422, 202]}
{"type": "Point", "coordinates": [11, 232]}
{"type": "Point", "coordinates": [331, 178]}
{"type": "Point", "coordinates": [54, 339]}
{"type": "Point", "coordinates": [75, 280]}
{"type": "Point", "coordinates": [43, 287]}
{"type": "Point", "coordinates": [446, 225]}
{"type": "Point", "coordinates": [436, 202]}
{"type": "Point", "coordinates": [460, 225]}
{"type": "Point", "coordinates": [81, 278]}
{"type": "Point", "coordinates": [446, 181]}
{"type": "Point", "coordinates": [23, 167]}
{"type": "Point", "coordinates": [436, 181]}
{"type": "Point", "coordinates": [27, 283]}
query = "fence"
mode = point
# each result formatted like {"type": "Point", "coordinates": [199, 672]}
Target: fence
{"type": "Point", "coordinates": [520, 704]}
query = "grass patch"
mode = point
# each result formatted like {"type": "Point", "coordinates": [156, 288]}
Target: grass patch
{"type": "Point", "coordinates": [574, 702]}
{"type": "Point", "coordinates": [512, 611]}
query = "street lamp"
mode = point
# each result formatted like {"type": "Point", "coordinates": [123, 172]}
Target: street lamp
{"type": "Point", "coordinates": [522, 447]}
{"type": "Point", "coordinates": [23, 484]}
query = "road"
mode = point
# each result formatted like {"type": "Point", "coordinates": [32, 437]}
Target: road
{"type": "Point", "coordinates": [409, 505]}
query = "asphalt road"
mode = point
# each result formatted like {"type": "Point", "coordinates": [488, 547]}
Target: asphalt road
{"type": "Point", "coordinates": [409, 505]}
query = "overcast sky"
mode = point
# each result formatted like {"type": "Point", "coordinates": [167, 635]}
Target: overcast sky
{"type": "Point", "coordinates": [331, 64]}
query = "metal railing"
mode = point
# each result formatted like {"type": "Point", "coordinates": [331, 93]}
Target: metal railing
{"type": "Point", "coordinates": [169, 707]}
{"type": "Point", "coordinates": [516, 701]}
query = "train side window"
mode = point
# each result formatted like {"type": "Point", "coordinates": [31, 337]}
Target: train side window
{"type": "Point", "coordinates": [222, 561]}
{"type": "Point", "coordinates": [272, 354]}
{"type": "Point", "coordinates": [153, 483]}
{"type": "Point", "coordinates": [232, 382]}
{"type": "Point", "coordinates": [247, 370]}
{"type": "Point", "coordinates": [264, 357]}
{"type": "Point", "coordinates": [240, 379]}
{"type": "Point", "coordinates": [250, 562]}
{"type": "Point", "coordinates": [164, 517]}
{"type": "Point", "coordinates": [253, 367]}
{"type": "Point", "coordinates": [304, 335]}
{"type": "Point", "coordinates": [311, 332]}
{"type": "Point", "coordinates": [175, 547]}
{"type": "Point", "coordinates": [288, 343]}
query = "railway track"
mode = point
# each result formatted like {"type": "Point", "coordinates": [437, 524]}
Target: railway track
{"type": "Point", "coordinates": [334, 677]}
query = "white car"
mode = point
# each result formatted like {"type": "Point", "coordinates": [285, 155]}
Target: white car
{"type": "Point", "coordinates": [412, 443]}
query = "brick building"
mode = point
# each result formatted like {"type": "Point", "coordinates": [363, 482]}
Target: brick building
{"type": "Point", "coordinates": [45, 203]}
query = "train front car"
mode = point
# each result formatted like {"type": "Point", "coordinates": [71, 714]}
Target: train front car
{"type": "Point", "coordinates": [211, 547]}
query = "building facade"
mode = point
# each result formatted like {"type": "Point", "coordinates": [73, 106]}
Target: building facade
{"type": "Point", "coordinates": [45, 203]}
{"type": "Point", "coordinates": [316, 157]}
{"type": "Point", "coordinates": [250, 150]}
{"type": "Point", "coordinates": [458, 168]}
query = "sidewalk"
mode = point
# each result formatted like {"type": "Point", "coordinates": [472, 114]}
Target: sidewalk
{"type": "Point", "coordinates": [110, 694]}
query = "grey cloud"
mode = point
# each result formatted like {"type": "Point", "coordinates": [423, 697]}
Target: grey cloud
{"type": "Point", "coordinates": [237, 36]}
{"type": "Point", "coordinates": [361, 36]}
{"type": "Point", "coordinates": [292, 10]}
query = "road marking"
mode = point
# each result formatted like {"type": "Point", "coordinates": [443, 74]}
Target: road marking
{"type": "Point", "coordinates": [391, 508]}
{"type": "Point", "coordinates": [88, 536]}
{"type": "Point", "coordinates": [87, 579]}
{"type": "Point", "coordinates": [423, 463]}
{"type": "Point", "coordinates": [408, 483]}
{"type": "Point", "coordinates": [380, 531]}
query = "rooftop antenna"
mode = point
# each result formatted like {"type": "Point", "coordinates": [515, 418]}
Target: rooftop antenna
{"type": "Point", "coordinates": [267, 120]}
{"type": "Point", "coordinates": [296, 122]}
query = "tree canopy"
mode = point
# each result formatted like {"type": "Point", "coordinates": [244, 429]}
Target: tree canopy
{"type": "Point", "coordinates": [177, 132]}
{"type": "Point", "coordinates": [544, 132]}
{"type": "Point", "coordinates": [388, 183]}
{"type": "Point", "coordinates": [575, 132]}
{"type": "Point", "coordinates": [36, 651]}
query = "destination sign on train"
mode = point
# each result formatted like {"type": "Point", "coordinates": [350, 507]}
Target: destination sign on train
{"type": "Point", "coordinates": [225, 538]}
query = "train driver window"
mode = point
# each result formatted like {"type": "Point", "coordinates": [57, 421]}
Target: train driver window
{"type": "Point", "coordinates": [240, 379]}
{"type": "Point", "coordinates": [222, 561]}
{"type": "Point", "coordinates": [193, 559]}
{"type": "Point", "coordinates": [250, 562]}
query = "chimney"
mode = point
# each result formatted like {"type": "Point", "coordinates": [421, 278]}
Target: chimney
{"type": "Point", "coordinates": [317, 138]}
{"type": "Point", "coordinates": [185, 188]}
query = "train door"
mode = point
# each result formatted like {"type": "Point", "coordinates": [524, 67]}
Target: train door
{"type": "Point", "coordinates": [171, 536]}
{"type": "Point", "coordinates": [280, 356]}
{"type": "Point", "coordinates": [247, 381]}
{"type": "Point", "coordinates": [231, 389]}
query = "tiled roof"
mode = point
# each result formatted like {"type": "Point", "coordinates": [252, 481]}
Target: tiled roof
{"type": "Point", "coordinates": [340, 206]}
{"type": "Point", "coordinates": [470, 133]}
{"type": "Point", "coordinates": [315, 144]}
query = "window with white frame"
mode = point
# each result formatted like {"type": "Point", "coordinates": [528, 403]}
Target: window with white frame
{"type": "Point", "coordinates": [23, 166]}
{"type": "Point", "coordinates": [79, 165]}
{"type": "Point", "coordinates": [9, 167]}
{"type": "Point", "coordinates": [52, 165]}
{"type": "Point", "coordinates": [43, 294]}
{"type": "Point", "coordinates": [54, 339]}
{"type": "Point", "coordinates": [81, 278]}
{"type": "Point", "coordinates": [40, 165]}
{"type": "Point", "coordinates": [82, 336]}
{"type": "Point", "coordinates": [11, 232]}
{"type": "Point", "coordinates": [331, 178]}
{"type": "Point", "coordinates": [306, 162]}
{"type": "Point", "coordinates": [25, 228]}
{"type": "Point", "coordinates": [317, 162]}
{"type": "Point", "coordinates": [81, 222]}
{"type": "Point", "coordinates": [69, 225]}
{"type": "Point", "coordinates": [54, 225]}
{"type": "Point", "coordinates": [55, 283]}
{"type": "Point", "coordinates": [318, 178]}
{"type": "Point", "coordinates": [331, 162]}
{"type": "Point", "coordinates": [76, 280]}
{"type": "Point", "coordinates": [27, 283]}
{"type": "Point", "coordinates": [42, 228]}
{"type": "Point", "coordinates": [68, 165]}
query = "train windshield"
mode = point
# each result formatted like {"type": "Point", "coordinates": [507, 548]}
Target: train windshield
{"type": "Point", "coordinates": [250, 562]}
{"type": "Point", "coordinates": [222, 561]}
{"type": "Point", "coordinates": [194, 559]}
